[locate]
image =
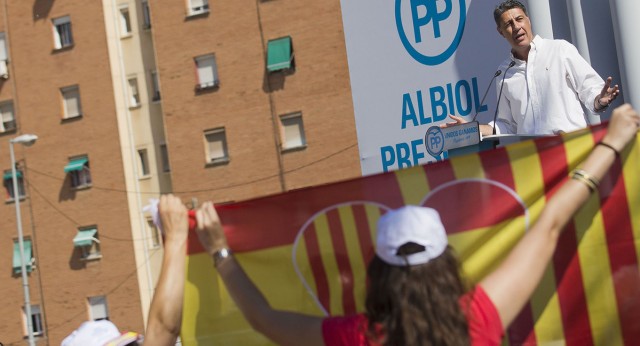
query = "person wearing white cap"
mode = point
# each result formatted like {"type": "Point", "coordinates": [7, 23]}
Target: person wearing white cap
{"type": "Point", "coordinates": [101, 333]}
{"type": "Point", "coordinates": [415, 294]}
{"type": "Point", "coordinates": [165, 312]}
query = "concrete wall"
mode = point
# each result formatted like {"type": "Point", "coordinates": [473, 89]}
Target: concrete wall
{"type": "Point", "coordinates": [139, 127]}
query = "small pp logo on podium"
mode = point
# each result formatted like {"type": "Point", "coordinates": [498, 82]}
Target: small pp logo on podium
{"type": "Point", "coordinates": [439, 139]}
{"type": "Point", "coordinates": [434, 141]}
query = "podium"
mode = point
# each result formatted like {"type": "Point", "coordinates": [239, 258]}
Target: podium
{"type": "Point", "coordinates": [463, 139]}
{"type": "Point", "coordinates": [491, 142]}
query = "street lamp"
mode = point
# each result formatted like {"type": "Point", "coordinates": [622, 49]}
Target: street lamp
{"type": "Point", "coordinates": [26, 140]}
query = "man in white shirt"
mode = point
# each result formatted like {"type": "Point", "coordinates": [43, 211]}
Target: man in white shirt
{"type": "Point", "coordinates": [548, 86]}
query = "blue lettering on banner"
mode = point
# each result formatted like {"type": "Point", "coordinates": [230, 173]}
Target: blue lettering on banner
{"type": "Point", "coordinates": [458, 98]}
{"type": "Point", "coordinates": [437, 102]}
{"type": "Point", "coordinates": [414, 150]}
{"type": "Point", "coordinates": [433, 17]}
{"type": "Point", "coordinates": [423, 120]}
{"type": "Point", "coordinates": [408, 113]}
{"type": "Point", "coordinates": [476, 96]}
{"type": "Point", "coordinates": [467, 89]}
{"type": "Point", "coordinates": [402, 155]}
{"type": "Point", "coordinates": [450, 92]}
{"type": "Point", "coordinates": [388, 156]}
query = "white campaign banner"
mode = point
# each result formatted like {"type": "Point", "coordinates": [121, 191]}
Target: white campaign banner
{"type": "Point", "coordinates": [412, 63]}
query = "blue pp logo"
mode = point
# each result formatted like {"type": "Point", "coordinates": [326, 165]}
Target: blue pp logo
{"type": "Point", "coordinates": [434, 141]}
{"type": "Point", "coordinates": [430, 30]}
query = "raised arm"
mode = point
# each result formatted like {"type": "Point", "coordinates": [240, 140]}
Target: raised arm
{"type": "Point", "coordinates": [607, 95]}
{"type": "Point", "coordinates": [282, 327]}
{"type": "Point", "coordinates": [165, 313]}
{"type": "Point", "coordinates": [510, 286]}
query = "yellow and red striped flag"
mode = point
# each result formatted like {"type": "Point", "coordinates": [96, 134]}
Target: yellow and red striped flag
{"type": "Point", "coordinates": [307, 250]}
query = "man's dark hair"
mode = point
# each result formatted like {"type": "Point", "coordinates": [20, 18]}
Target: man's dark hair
{"type": "Point", "coordinates": [506, 6]}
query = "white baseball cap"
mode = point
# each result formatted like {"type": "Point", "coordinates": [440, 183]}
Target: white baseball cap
{"type": "Point", "coordinates": [92, 333]}
{"type": "Point", "coordinates": [410, 224]}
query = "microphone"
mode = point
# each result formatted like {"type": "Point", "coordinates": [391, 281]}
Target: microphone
{"type": "Point", "coordinates": [499, 72]}
{"type": "Point", "coordinates": [495, 116]}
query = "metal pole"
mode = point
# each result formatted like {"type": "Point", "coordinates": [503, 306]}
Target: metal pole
{"type": "Point", "coordinates": [626, 25]}
{"type": "Point", "coordinates": [23, 266]}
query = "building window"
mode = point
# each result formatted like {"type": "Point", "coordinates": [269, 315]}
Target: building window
{"type": "Point", "coordinates": [198, 7]}
{"type": "Point", "coordinates": [164, 156]}
{"type": "Point", "coordinates": [154, 234]}
{"type": "Point", "coordinates": [8, 119]}
{"type": "Point", "coordinates": [28, 255]}
{"type": "Point", "coordinates": [155, 83]}
{"type": "Point", "coordinates": [144, 162]}
{"type": "Point", "coordinates": [87, 243]}
{"type": "Point", "coordinates": [207, 71]}
{"type": "Point", "coordinates": [78, 168]}
{"type": "Point", "coordinates": [280, 54]}
{"type": "Point", "coordinates": [71, 100]}
{"type": "Point", "coordinates": [292, 131]}
{"type": "Point", "coordinates": [146, 15]}
{"type": "Point", "coordinates": [98, 309]}
{"type": "Point", "coordinates": [125, 22]}
{"type": "Point", "coordinates": [37, 327]}
{"type": "Point", "coordinates": [8, 184]}
{"type": "Point", "coordinates": [62, 36]}
{"type": "Point", "coordinates": [4, 57]}
{"type": "Point", "coordinates": [216, 146]}
{"type": "Point", "coordinates": [134, 95]}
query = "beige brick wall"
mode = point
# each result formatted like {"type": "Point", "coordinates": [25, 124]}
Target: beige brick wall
{"type": "Point", "coordinates": [54, 210]}
{"type": "Point", "coordinates": [319, 88]}
{"type": "Point", "coordinates": [247, 104]}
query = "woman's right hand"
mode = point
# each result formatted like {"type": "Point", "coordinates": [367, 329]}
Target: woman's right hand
{"type": "Point", "coordinates": [209, 229]}
{"type": "Point", "coordinates": [623, 127]}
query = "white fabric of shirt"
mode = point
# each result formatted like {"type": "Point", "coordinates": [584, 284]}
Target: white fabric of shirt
{"type": "Point", "coordinates": [546, 94]}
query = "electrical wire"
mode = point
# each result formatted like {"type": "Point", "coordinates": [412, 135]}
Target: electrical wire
{"type": "Point", "coordinates": [258, 180]}
{"type": "Point", "coordinates": [76, 223]}
{"type": "Point", "coordinates": [102, 235]}
{"type": "Point", "coordinates": [106, 236]}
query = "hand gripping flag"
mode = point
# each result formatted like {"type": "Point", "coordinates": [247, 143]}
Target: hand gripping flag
{"type": "Point", "coordinates": [307, 250]}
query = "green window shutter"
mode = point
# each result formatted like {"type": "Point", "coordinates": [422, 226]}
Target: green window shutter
{"type": "Point", "coordinates": [84, 237]}
{"type": "Point", "coordinates": [279, 55]}
{"type": "Point", "coordinates": [7, 175]}
{"type": "Point", "coordinates": [75, 165]}
{"type": "Point", "coordinates": [17, 261]}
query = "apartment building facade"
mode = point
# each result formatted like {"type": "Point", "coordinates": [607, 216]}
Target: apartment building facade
{"type": "Point", "coordinates": [209, 100]}
{"type": "Point", "coordinates": [258, 98]}
{"type": "Point", "coordinates": [71, 73]}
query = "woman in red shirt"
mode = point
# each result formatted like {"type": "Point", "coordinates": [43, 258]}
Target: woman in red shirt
{"type": "Point", "coordinates": [415, 294]}
{"type": "Point", "coordinates": [414, 268]}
